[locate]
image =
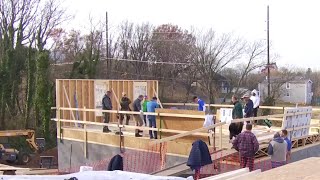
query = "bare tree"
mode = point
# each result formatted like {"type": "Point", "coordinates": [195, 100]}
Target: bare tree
{"type": "Point", "coordinates": [51, 15]}
{"type": "Point", "coordinates": [174, 45]}
{"type": "Point", "coordinates": [214, 53]}
{"type": "Point", "coordinates": [253, 56]}
{"type": "Point", "coordinates": [124, 41]}
{"type": "Point", "coordinates": [140, 49]}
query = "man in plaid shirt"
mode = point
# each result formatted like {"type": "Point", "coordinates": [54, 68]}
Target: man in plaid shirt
{"type": "Point", "coordinates": [247, 145]}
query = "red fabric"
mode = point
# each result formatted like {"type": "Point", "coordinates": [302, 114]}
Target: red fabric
{"type": "Point", "coordinates": [247, 162]}
{"type": "Point", "coordinates": [197, 174]}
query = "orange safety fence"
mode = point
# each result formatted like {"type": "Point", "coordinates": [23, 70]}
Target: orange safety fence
{"type": "Point", "coordinates": [147, 161]}
{"type": "Point", "coordinates": [153, 159]}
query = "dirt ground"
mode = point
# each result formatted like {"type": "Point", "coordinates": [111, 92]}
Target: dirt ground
{"type": "Point", "coordinates": [35, 160]}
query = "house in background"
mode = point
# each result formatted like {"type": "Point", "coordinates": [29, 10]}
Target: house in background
{"type": "Point", "coordinates": [221, 82]}
{"type": "Point", "coordinates": [298, 90]}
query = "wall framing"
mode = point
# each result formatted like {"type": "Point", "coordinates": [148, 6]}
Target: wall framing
{"type": "Point", "coordinates": [81, 93]}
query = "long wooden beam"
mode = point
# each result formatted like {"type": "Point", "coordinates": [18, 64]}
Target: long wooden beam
{"type": "Point", "coordinates": [184, 115]}
{"type": "Point", "coordinates": [68, 100]}
{"type": "Point", "coordinates": [156, 94]}
{"type": "Point", "coordinates": [187, 133]}
{"type": "Point", "coordinates": [117, 100]}
{"type": "Point", "coordinates": [221, 105]}
{"type": "Point", "coordinates": [231, 106]}
{"type": "Point", "coordinates": [132, 112]}
{"type": "Point", "coordinates": [128, 126]}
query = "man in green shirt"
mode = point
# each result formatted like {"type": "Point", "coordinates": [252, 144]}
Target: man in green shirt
{"type": "Point", "coordinates": [237, 113]}
{"type": "Point", "coordinates": [144, 109]}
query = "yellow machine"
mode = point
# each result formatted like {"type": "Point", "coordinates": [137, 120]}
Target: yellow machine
{"type": "Point", "coordinates": [14, 156]}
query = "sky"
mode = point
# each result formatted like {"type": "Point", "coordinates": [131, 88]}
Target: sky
{"type": "Point", "coordinates": [294, 24]}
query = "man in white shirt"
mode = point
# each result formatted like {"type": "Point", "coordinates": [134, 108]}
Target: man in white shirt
{"type": "Point", "coordinates": [256, 102]}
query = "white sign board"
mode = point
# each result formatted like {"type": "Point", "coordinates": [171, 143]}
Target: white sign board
{"type": "Point", "coordinates": [100, 88]}
{"type": "Point", "coordinates": [226, 115]}
{"type": "Point", "coordinates": [297, 121]}
{"type": "Point", "coordinates": [139, 88]}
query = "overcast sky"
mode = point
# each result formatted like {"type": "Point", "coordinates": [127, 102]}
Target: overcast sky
{"type": "Point", "coordinates": [294, 24]}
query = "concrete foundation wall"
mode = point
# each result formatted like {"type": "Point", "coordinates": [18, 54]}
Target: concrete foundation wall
{"type": "Point", "coordinates": [100, 155]}
{"type": "Point", "coordinates": [313, 151]}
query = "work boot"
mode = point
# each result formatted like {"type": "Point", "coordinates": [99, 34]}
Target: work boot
{"type": "Point", "coordinates": [118, 133]}
{"type": "Point", "coordinates": [138, 135]}
{"type": "Point", "coordinates": [106, 130]}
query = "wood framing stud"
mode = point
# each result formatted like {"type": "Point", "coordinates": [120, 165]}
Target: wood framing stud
{"type": "Point", "coordinates": [85, 134]}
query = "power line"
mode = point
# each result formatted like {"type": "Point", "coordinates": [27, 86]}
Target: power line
{"type": "Point", "coordinates": [130, 60]}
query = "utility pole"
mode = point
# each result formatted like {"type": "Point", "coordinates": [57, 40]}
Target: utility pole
{"type": "Point", "coordinates": [268, 52]}
{"type": "Point", "coordinates": [107, 47]}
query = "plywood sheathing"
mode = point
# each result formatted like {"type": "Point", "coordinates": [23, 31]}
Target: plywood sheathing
{"type": "Point", "coordinates": [181, 123]}
{"type": "Point", "coordinates": [307, 169]}
{"type": "Point", "coordinates": [130, 142]}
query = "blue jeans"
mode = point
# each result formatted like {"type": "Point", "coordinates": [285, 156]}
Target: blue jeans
{"type": "Point", "coordinates": [152, 123]}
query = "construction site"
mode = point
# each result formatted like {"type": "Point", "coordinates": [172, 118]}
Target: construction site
{"type": "Point", "coordinates": [164, 90]}
{"type": "Point", "coordinates": [82, 142]}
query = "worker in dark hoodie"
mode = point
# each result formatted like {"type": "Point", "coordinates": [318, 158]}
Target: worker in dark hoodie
{"type": "Point", "coordinates": [278, 151]}
{"type": "Point", "coordinates": [125, 106]}
{"type": "Point", "coordinates": [106, 105]}
{"type": "Point", "coordinates": [237, 113]}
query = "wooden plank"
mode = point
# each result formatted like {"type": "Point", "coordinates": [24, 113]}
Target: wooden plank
{"type": "Point", "coordinates": [180, 123]}
{"type": "Point", "coordinates": [156, 94]}
{"type": "Point", "coordinates": [114, 100]}
{"type": "Point", "coordinates": [130, 90]}
{"type": "Point", "coordinates": [119, 94]}
{"type": "Point", "coordinates": [80, 97]}
{"type": "Point", "coordinates": [187, 134]}
{"type": "Point", "coordinates": [69, 103]}
{"type": "Point", "coordinates": [69, 99]}
{"type": "Point", "coordinates": [157, 88]}
{"type": "Point", "coordinates": [245, 175]}
{"type": "Point", "coordinates": [303, 169]}
{"type": "Point", "coordinates": [84, 95]}
{"type": "Point", "coordinates": [130, 127]}
{"type": "Point", "coordinates": [85, 135]}
{"type": "Point", "coordinates": [125, 88]}
{"type": "Point", "coordinates": [76, 97]}
{"type": "Point", "coordinates": [66, 104]}
{"type": "Point", "coordinates": [71, 91]}
{"type": "Point", "coordinates": [92, 103]}
{"type": "Point", "coordinates": [90, 99]}
{"type": "Point", "coordinates": [64, 112]}
{"type": "Point", "coordinates": [58, 104]}
{"type": "Point", "coordinates": [227, 174]}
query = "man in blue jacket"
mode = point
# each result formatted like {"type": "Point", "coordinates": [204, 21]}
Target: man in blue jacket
{"type": "Point", "coordinates": [151, 107]}
{"type": "Point", "coordinates": [284, 135]}
{"type": "Point", "coordinates": [201, 103]}
{"type": "Point", "coordinates": [248, 108]}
